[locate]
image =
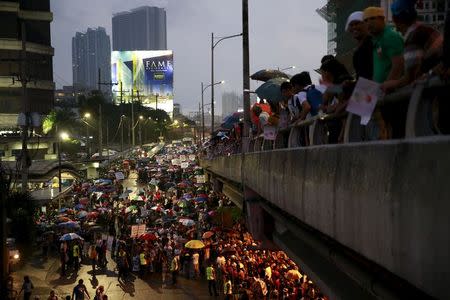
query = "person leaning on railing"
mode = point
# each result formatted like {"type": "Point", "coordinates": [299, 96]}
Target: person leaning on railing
{"type": "Point", "coordinates": [423, 45]}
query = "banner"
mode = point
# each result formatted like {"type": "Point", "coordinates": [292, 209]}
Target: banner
{"type": "Point", "coordinates": [200, 178]}
{"type": "Point", "coordinates": [137, 230]}
{"type": "Point", "coordinates": [176, 162]}
{"type": "Point", "coordinates": [192, 157]}
{"type": "Point", "coordinates": [148, 73]}
{"type": "Point", "coordinates": [270, 133]}
{"type": "Point", "coordinates": [183, 157]}
{"type": "Point", "coordinates": [119, 176]}
{"type": "Point", "coordinates": [364, 99]}
{"type": "Point", "coordinates": [184, 165]}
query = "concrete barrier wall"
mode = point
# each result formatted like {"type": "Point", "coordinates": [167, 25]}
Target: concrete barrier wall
{"type": "Point", "coordinates": [388, 201]}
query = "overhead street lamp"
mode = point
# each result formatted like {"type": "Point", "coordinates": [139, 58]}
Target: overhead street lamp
{"type": "Point", "coordinates": [287, 68]}
{"type": "Point", "coordinates": [212, 106]}
{"type": "Point", "coordinates": [214, 45]}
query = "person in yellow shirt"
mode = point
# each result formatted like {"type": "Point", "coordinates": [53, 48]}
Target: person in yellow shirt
{"type": "Point", "coordinates": [211, 277]}
{"type": "Point", "coordinates": [76, 256]}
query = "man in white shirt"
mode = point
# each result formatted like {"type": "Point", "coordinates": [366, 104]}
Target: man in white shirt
{"type": "Point", "coordinates": [299, 102]}
{"type": "Point", "coordinates": [195, 259]}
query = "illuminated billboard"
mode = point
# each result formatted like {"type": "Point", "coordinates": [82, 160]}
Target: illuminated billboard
{"type": "Point", "coordinates": [146, 76]}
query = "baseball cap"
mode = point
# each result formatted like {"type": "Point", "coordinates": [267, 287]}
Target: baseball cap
{"type": "Point", "coordinates": [354, 16]}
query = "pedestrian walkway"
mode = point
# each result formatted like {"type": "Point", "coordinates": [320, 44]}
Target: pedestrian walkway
{"type": "Point", "coordinates": [45, 276]}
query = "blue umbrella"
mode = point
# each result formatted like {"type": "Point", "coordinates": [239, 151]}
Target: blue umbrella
{"type": "Point", "coordinates": [232, 119]}
{"type": "Point", "coordinates": [69, 224]}
{"type": "Point", "coordinates": [201, 199]}
{"type": "Point", "coordinates": [79, 206]}
{"type": "Point", "coordinates": [64, 209]}
{"type": "Point", "coordinates": [82, 214]}
{"type": "Point", "coordinates": [70, 237]}
{"type": "Point", "coordinates": [270, 90]}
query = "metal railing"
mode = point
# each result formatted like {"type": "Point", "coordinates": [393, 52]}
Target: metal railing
{"type": "Point", "coordinates": [414, 111]}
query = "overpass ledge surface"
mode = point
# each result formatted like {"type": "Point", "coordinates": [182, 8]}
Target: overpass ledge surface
{"type": "Point", "coordinates": [385, 200]}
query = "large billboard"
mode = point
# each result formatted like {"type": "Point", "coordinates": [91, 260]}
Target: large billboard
{"type": "Point", "coordinates": [146, 76]}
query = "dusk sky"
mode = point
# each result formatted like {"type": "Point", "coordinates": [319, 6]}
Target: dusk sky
{"type": "Point", "coordinates": [282, 33]}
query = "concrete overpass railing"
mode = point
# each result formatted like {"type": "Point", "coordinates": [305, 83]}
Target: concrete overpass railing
{"type": "Point", "coordinates": [386, 200]}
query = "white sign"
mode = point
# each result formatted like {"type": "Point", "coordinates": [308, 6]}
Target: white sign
{"type": "Point", "coordinates": [200, 178]}
{"type": "Point", "coordinates": [120, 176]}
{"type": "Point", "coordinates": [137, 230]}
{"type": "Point", "coordinates": [192, 157]}
{"type": "Point", "coordinates": [184, 165]}
{"type": "Point", "coordinates": [270, 133]}
{"type": "Point", "coordinates": [176, 162]}
{"type": "Point", "coordinates": [183, 157]}
{"type": "Point", "coordinates": [364, 99]}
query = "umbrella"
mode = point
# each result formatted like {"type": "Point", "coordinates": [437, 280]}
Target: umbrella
{"type": "Point", "coordinates": [194, 244]}
{"type": "Point", "coordinates": [131, 208]}
{"type": "Point", "coordinates": [157, 208]}
{"type": "Point", "coordinates": [64, 209]}
{"type": "Point", "coordinates": [84, 201]}
{"type": "Point", "coordinates": [182, 204]}
{"type": "Point", "coordinates": [229, 121]}
{"type": "Point", "coordinates": [82, 214]}
{"type": "Point", "coordinates": [63, 219]}
{"type": "Point", "coordinates": [207, 234]}
{"type": "Point", "coordinates": [201, 199]}
{"type": "Point", "coordinates": [148, 237]}
{"type": "Point", "coordinates": [70, 237]}
{"type": "Point", "coordinates": [92, 215]}
{"type": "Point", "coordinates": [187, 196]}
{"type": "Point", "coordinates": [69, 224]}
{"type": "Point", "coordinates": [270, 90]}
{"type": "Point", "coordinates": [187, 222]}
{"type": "Point", "coordinates": [79, 206]}
{"type": "Point", "coordinates": [267, 74]}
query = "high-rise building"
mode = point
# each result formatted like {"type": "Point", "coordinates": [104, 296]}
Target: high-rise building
{"type": "Point", "coordinates": [143, 28]}
{"type": "Point", "coordinates": [231, 102]}
{"type": "Point", "coordinates": [91, 52]}
{"type": "Point", "coordinates": [27, 55]}
{"type": "Point", "coordinates": [336, 12]}
{"type": "Point", "coordinates": [176, 110]}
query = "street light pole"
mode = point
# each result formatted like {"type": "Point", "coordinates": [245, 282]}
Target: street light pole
{"type": "Point", "coordinates": [246, 75]}
{"type": "Point", "coordinates": [203, 116]}
{"type": "Point", "coordinates": [213, 45]}
{"type": "Point", "coordinates": [212, 105]}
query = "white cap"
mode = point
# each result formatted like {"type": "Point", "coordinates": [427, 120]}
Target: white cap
{"type": "Point", "coordinates": [355, 16]}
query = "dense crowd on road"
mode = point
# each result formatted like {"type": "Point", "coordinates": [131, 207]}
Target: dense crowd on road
{"type": "Point", "coordinates": [168, 225]}
{"type": "Point", "coordinates": [393, 58]}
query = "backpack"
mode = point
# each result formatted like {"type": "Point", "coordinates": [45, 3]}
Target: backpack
{"type": "Point", "coordinates": [314, 98]}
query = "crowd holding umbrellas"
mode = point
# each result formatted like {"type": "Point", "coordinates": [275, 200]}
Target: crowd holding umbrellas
{"type": "Point", "coordinates": [173, 224]}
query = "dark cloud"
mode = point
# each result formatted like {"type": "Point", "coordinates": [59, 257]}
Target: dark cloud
{"type": "Point", "coordinates": [282, 33]}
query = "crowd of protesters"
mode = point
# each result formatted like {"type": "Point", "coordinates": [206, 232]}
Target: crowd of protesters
{"type": "Point", "coordinates": [190, 231]}
{"type": "Point", "coordinates": [392, 57]}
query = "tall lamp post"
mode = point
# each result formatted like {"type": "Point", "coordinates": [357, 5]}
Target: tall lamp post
{"type": "Point", "coordinates": [62, 137]}
{"type": "Point", "coordinates": [214, 45]}
{"type": "Point", "coordinates": [212, 105]}
{"type": "Point", "coordinates": [86, 117]}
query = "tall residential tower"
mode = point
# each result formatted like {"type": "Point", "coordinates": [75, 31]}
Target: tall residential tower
{"type": "Point", "coordinates": [91, 52]}
{"type": "Point", "coordinates": [143, 28]}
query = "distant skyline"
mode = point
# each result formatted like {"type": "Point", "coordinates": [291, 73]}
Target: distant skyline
{"type": "Point", "coordinates": [281, 35]}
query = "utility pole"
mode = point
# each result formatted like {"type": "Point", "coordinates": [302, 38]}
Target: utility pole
{"type": "Point", "coordinates": [203, 116]}
{"type": "Point", "coordinates": [156, 105]}
{"type": "Point", "coordinates": [107, 139]}
{"type": "Point", "coordinates": [212, 82]}
{"type": "Point", "coordinates": [26, 110]}
{"type": "Point", "coordinates": [246, 75]}
{"type": "Point", "coordinates": [133, 142]}
{"type": "Point", "coordinates": [121, 133]}
{"type": "Point", "coordinates": [100, 132]}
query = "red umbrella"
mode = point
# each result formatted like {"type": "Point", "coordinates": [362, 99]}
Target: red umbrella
{"type": "Point", "coordinates": [148, 237]}
{"type": "Point", "coordinates": [207, 234]}
{"type": "Point", "coordinates": [92, 215]}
